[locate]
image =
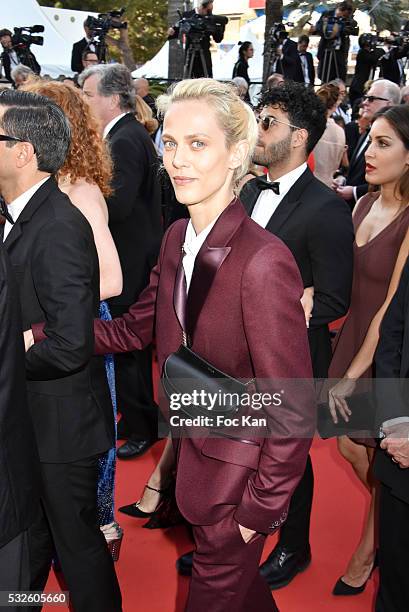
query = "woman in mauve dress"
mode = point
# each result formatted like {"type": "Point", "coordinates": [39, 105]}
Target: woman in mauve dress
{"type": "Point", "coordinates": [381, 221]}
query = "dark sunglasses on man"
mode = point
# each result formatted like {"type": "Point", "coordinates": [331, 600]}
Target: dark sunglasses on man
{"type": "Point", "coordinates": [371, 99]}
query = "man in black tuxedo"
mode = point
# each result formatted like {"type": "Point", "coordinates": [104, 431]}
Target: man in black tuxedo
{"type": "Point", "coordinates": [19, 463]}
{"type": "Point", "coordinates": [204, 8]}
{"type": "Point", "coordinates": [392, 458]}
{"type": "Point", "coordinates": [85, 44]}
{"type": "Point", "coordinates": [366, 61]}
{"type": "Point", "coordinates": [136, 227]}
{"type": "Point", "coordinates": [51, 248]}
{"type": "Point", "coordinates": [381, 94]}
{"type": "Point", "coordinates": [286, 56]}
{"type": "Point", "coordinates": [298, 63]}
{"type": "Point", "coordinates": [12, 56]}
{"type": "Point", "coordinates": [391, 66]}
{"type": "Point", "coordinates": [316, 226]}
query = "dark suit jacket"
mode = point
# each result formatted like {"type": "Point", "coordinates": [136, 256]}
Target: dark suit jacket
{"type": "Point", "coordinates": [52, 251]}
{"type": "Point", "coordinates": [135, 206]}
{"type": "Point", "coordinates": [19, 463]}
{"type": "Point", "coordinates": [244, 316]}
{"type": "Point", "coordinates": [392, 362]}
{"type": "Point", "coordinates": [356, 170]}
{"type": "Point", "coordinates": [390, 67]}
{"type": "Point", "coordinates": [78, 49]}
{"type": "Point", "coordinates": [316, 226]}
{"type": "Point", "coordinates": [33, 64]}
{"type": "Point", "coordinates": [365, 61]}
{"type": "Point", "coordinates": [293, 68]}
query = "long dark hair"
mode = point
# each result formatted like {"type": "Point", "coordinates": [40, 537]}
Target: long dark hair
{"type": "Point", "coordinates": [398, 119]}
{"type": "Point", "coordinates": [243, 48]}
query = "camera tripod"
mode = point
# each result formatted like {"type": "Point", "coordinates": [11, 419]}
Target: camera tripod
{"type": "Point", "coordinates": [329, 61]}
{"type": "Point", "coordinates": [194, 52]}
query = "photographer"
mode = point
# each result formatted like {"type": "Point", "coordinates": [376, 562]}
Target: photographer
{"type": "Point", "coordinates": [15, 54]}
{"type": "Point", "coordinates": [284, 53]}
{"type": "Point", "coordinates": [85, 44]}
{"type": "Point", "coordinates": [204, 8]}
{"type": "Point", "coordinates": [366, 62]}
{"type": "Point", "coordinates": [334, 27]}
{"type": "Point", "coordinates": [390, 63]}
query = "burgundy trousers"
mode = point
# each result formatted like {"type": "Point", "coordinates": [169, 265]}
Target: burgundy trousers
{"type": "Point", "coordinates": [225, 576]}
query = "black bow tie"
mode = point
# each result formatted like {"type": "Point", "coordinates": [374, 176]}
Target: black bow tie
{"type": "Point", "coordinates": [263, 184]}
{"type": "Point", "coordinates": [5, 212]}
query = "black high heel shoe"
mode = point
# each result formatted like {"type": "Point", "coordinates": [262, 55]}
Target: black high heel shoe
{"type": "Point", "coordinates": [342, 588]}
{"type": "Point", "coordinates": [135, 511]}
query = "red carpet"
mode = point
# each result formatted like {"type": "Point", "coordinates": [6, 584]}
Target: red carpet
{"type": "Point", "coordinates": [146, 569]}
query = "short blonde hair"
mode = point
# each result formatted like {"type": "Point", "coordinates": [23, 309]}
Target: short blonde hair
{"type": "Point", "coordinates": [234, 116]}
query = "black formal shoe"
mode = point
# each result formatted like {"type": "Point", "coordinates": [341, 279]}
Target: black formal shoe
{"type": "Point", "coordinates": [185, 563]}
{"type": "Point", "coordinates": [133, 448]}
{"type": "Point", "coordinates": [282, 565]}
{"type": "Point", "coordinates": [342, 588]}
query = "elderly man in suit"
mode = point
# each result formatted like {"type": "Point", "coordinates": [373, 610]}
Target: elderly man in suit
{"type": "Point", "coordinates": [382, 93]}
{"type": "Point", "coordinates": [52, 250]}
{"type": "Point", "coordinates": [136, 227]}
{"type": "Point", "coordinates": [392, 458]}
{"type": "Point", "coordinates": [19, 463]}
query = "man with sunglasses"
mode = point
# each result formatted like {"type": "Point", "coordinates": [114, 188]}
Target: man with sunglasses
{"type": "Point", "coordinates": [52, 251]}
{"type": "Point", "coordinates": [316, 226]}
{"type": "Point", "coordinates": [382, 93]}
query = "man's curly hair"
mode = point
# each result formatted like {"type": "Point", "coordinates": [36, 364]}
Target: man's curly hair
{"type": "Point", "coordinates": [304, 108]}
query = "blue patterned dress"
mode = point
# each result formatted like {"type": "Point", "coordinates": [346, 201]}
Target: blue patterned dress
{"type": "Point", "coordinates": [106, 475]}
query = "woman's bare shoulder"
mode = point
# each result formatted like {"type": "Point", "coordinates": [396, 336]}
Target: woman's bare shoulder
{"type": "Point", "coordinates": [87, 197]}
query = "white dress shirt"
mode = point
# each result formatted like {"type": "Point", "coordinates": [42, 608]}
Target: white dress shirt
{"type": "Point", "coordinates": [304, 66]}
{"type": "Point", "coordinates": [191, 247]}
{"type": "Point", "coordinates": [16, 207]}
{"type": "Point", "coordinates": [111, 124]}
{"type": "Point", "coordinates": [268, 201]}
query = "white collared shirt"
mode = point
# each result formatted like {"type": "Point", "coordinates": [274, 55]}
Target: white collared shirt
{"type": "Point", "coordinates": [111, 124]}
{"type": "Point", "coordinates": [191, 247]}
{"type": "Point", "coordinates": [304, 66]}
{"type": "Point", "coordinates": [268, 201]}
{"type": "Point", "coordinates": [16, 207]}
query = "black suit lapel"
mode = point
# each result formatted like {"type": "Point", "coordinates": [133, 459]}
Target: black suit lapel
{"type": "Point", "coordinates": [289, 203]}
{"type": "Point", "coordinates": [128, 118]}
{"type": "Point", "coordinates": [355, 156]}
{"type": "Point", "coordinates": [32, 205]}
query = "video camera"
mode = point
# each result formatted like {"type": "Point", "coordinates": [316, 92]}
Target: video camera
{"type": "Point", "coordinates": [333, 27]}
{"type": "Point", "coordinates": [23, 37]}
{"type": "Point", "coordinates": [111, 20]}
{"type": "Point", "coordinates": [199, 25]}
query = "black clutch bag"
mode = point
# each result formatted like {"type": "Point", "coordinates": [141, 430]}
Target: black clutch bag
{"type": "Point", "coordinates": [185, 372]}
{"type": "Point", "coordinates": [361, 421]}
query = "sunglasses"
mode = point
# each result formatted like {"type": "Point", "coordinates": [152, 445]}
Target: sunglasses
{"type": "Point", "coordinates": [267, 121]}
{"type": "Point", "coordinates": [6, 138]}
{"type": "Point", "coordinates": [371, 99]}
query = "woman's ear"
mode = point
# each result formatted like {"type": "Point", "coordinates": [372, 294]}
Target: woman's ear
{"type": "Point", "coordinates": [239, 154]}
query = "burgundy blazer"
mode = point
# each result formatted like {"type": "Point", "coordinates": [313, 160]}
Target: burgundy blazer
{"type": "Point", "coordinates": [244, 316]}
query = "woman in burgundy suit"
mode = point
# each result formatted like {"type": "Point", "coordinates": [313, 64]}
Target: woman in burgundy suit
{"type": "Point", "coordinates": [234, 290]}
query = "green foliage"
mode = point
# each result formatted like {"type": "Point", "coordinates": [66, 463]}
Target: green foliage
{"type": "Point", "coordinates": [386, 15]}
{"type": "Point", "coordinates": [146, 21]}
